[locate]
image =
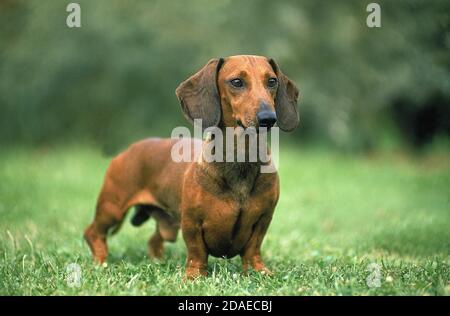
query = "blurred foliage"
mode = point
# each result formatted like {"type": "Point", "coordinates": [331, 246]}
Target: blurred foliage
{"type": "Point", "coordinates": [113, 79]}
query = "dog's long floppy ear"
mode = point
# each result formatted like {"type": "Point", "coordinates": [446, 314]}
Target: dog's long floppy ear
{"type": "Point", "coordinates": [199, 95]}
{"type": "Point", "coordinates": [285, 101]}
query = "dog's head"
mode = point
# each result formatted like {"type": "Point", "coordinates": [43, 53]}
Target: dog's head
{"type": "Point", "coordinates": [240, 90]}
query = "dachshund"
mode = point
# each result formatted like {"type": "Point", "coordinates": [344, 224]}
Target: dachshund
{"type": "Point", "coordinates": [223, 208]}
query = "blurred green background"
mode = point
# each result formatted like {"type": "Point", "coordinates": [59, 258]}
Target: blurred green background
{"type": "Point", "coordinates": [112, 81]}
{"type": "Point", "coordinates": [365, 178]}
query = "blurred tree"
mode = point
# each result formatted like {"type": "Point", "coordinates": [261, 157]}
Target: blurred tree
{"type": "Point", "coordinates": [113, 79]}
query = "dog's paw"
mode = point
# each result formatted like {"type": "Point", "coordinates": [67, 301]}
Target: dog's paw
{"type": "Point", "coordinates": [265, 271]}
{"type": "Point", "coordinates": [194, 273]}
{"type": "Point", "coordinates": [260, 269]}
{"type": "Point", "coordinates": [156, 253]}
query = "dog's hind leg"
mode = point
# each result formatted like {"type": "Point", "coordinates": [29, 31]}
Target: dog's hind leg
{"type": "Point", "coordinates": [109, 214]}
{"type": "Point", "coordinates": [156, 245]}
{"type": "Point", "coordinates": [166, 230]}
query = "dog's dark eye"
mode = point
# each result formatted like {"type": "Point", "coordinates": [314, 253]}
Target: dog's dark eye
{"type": "Point", "coordinates": [272, 82]}
{"type": "Point", "coordinates": [237, 83]}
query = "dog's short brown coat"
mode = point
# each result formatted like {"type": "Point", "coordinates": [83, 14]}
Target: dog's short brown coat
{"type": "Point", "coordinates": [223, 208]}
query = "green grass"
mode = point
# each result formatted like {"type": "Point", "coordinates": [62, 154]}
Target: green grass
{"type": "Point", "coordinates": [337, 215]}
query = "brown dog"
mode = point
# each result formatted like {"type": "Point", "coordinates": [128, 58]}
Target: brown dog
{"type": "Point", "coordinates": [224, 208]}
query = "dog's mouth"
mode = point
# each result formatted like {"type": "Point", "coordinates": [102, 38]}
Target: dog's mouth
{"type": "Point", "coordinates": [239, 123]}
{"type": "Point", "coordinates": [258, 129]}
{"type": "Point", "coordinates": [247, 128]}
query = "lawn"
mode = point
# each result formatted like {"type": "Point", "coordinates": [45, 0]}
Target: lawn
{"type": "Point", "coordinates": [339, 218]}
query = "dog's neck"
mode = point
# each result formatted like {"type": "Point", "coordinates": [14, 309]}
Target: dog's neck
{"type": "Point", "coordinates": [236, 177]}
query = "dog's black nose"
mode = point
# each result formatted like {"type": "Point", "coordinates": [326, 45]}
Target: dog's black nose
{"type": "Point", "coordinates": [266, 118]}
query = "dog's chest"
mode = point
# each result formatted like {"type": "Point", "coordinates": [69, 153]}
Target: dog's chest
{"type": "Point", "coordinates": [238, 181]}
{"type": "Point", "coordinates": [227, 230]}
{"type": "Point", "coordinates": [227, 225]}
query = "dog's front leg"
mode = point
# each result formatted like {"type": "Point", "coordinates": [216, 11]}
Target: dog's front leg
{"type": "Point", "coordinates": [197, 254]}
{"type": "Point", "coordinates": [251, 254]}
